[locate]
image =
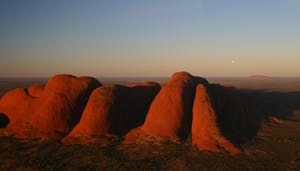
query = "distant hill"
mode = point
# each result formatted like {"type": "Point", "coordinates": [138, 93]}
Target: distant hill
{"type": "Point", "coordinates": [259, 77]}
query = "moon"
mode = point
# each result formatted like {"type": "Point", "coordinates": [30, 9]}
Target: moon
{"type": "Point", "coordinates": [233, 61]}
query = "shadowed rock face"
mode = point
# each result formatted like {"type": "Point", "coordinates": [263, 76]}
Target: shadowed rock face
{"type": "Point", "coordinates": [240, 114]}
{"type": "Point", "coordinates": [113, 109]}
{"type": "Point", "coordinates": [170, 113]}
{"type": "Point", "coordinates": [205, 131]}
{"type": "Point", "coordinates": [51, 113]}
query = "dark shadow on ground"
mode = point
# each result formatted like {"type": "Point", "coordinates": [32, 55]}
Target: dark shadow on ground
{"type": "Point", "coordinates": [241, 111]}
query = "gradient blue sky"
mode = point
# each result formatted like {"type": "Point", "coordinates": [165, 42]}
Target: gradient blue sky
{"type": "Point", "coordinates": [149, 37]}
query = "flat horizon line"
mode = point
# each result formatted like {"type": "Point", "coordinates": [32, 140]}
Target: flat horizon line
{"type": "Point", "coordinates": [117, 77]}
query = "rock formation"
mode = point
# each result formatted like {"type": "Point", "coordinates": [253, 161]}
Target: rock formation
{"type": "Point", "coordinates": [112, 110]}
{"type": "Point", "coordinates": [82, 111]}
{"type": "Point", "coordinates": [51, 113]}
{"type": "Point", "coordinates": [183, 107]}
{"type": "Point", "coordinates": [205, 131]}
{"type": "Point", "coordinates": [16, 105]}
{"type": "Point", "coordinates": [170, 113]}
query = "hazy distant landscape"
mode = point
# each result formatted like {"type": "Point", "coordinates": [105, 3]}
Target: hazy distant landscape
{"type": "Point", "coordinates": [281, 84]}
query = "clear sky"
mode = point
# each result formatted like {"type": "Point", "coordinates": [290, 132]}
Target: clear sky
{"type": "Point", "coordinates": [149, 37]}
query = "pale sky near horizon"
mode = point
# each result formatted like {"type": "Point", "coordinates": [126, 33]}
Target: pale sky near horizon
{"type": "Point", "coordinates": [149, 37]}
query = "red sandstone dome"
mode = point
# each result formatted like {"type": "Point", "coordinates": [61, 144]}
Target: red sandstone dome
{"type": "Point", "coordinates": [54, 113]}
{"type": "Point", "coordinates": [170, 113]}
{"type": "Point", "coordinates": [112, 110]}
{"type": "Point", "coordinates": [183, 107]}
{"type": "Point", "coordinates": [205, 132]}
